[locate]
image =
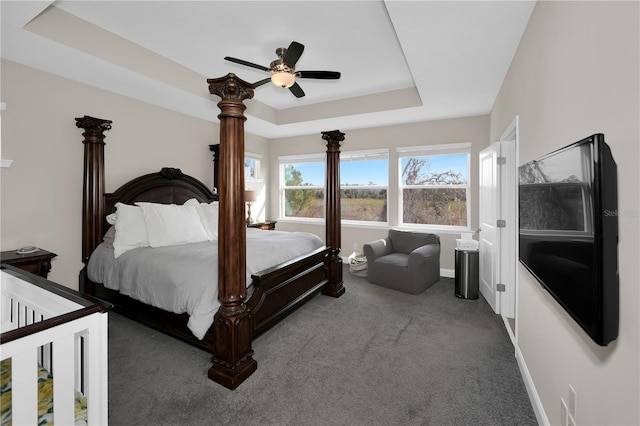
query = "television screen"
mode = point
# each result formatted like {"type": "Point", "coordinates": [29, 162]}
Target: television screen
{"type": "Point", "coordinates": [568, 232]}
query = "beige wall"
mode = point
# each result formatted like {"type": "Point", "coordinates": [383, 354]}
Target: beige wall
{"type": "Point", "coordinates": [474, 130]}
{"type": "Point", "coordinates": [42, 190]}
{"type": "Point", "coordinates": [576, 73]}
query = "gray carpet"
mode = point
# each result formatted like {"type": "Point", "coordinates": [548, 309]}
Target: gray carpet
{"type": "Point", "coordinates": [372, 357]}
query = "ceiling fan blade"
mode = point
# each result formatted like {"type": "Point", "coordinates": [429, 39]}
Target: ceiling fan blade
{"type": "Point", "coordinates": [249, 64]}
{"type": "Point", "coordinates": [261, 82]}
{"type": "Point", "coordinates": [323, 75]}
{"type": "Point", "coordinates": [297, 90]}
{"type": "Point", "coordinates": [294, 51]}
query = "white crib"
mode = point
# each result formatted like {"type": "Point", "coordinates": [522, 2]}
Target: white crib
{"type": "Point", "coordinates": [48, 325]}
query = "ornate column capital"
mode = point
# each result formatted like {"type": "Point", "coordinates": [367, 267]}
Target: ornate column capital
{"type": "Point", "coordinates": [333, 138]}
{"type": "Point", "coordinates": [93, 124]}
{"type": "Point", "coordinates": [230, 87]}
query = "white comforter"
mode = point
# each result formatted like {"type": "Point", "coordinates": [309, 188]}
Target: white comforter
{"type": "Point", "coordinates": [184, 278]}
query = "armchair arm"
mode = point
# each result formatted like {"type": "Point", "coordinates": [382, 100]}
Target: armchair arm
{"type": "Point", "coordinates": [376, 249]}
{"type": "Point", "coordinates": [423, 253]}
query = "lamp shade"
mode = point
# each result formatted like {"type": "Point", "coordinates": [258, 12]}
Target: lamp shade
{"type": "Point", "coordinates": [283, 79]}
{"type": "Point", "coordinates": [249, 196]}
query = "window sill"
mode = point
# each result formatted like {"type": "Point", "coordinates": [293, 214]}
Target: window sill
{"type": "Point", "coordinates": [379, 225]}
{"type": "Point", "coordinates": [435, 229]}
{"type": "Point", "coordinates": [301, 221]}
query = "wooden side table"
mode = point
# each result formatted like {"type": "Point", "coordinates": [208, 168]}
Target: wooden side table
{"type": "Point", "coordinates": [38, 263]}
{"type": "Point", "coordinates": [267, 225]}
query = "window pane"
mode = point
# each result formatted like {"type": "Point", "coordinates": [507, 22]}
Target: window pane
{"type": "Point", "coordinates": [435, 206]}
{"type": "Point", "coordinates": [304, 203]}
{"type": "Point", "coordinates": [364, 172]}
{"type": "Point", "coordinates": [435, 170]}
{"type": "Point", "coordinates": [363, 192]}
{"type": "Point", "coordinates": [304, 174]}
{"type": "Point", "coordinates": [251, 166]}
{"type": "Point", "coordinates": [364, 204]}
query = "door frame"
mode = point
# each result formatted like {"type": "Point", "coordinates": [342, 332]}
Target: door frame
{"type": "Point", "coordinates": [509, 255]}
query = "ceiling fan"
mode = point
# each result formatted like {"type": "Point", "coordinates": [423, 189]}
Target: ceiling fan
{"type": "Point", "coordinates": [283, 71]}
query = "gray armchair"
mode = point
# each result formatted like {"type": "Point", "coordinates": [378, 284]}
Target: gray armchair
{"type": "Point", "coordinates": [404, 261]}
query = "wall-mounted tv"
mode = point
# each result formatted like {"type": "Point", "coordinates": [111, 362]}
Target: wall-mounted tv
{"type": "Point", "coordinates": [568, 207]}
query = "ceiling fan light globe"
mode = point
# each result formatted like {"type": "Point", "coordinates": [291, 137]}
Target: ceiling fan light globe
{"type": "Point", "coordinates": [283, 79]}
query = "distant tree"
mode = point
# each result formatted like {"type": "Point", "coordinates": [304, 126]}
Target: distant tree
{"type": "Point", "coordinates": [418, 172]}
{"type": "Point", "coordinates": [296, 200]}
{"type": "Point", "coordinates": [444, 206]}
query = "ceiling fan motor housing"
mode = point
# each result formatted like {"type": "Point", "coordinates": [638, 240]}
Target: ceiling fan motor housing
{"type": "Point", "coordinates": [278, 69]}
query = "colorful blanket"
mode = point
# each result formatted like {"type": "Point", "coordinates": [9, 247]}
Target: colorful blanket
{"type": "Point", "coordinates": [45, 397]}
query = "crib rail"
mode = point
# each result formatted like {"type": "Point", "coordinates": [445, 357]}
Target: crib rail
{"type": "Point", "coordinates": [46, 324]}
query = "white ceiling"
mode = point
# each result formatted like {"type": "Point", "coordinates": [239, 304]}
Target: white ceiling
{"type": "Point", "coordinates": [401, 61]}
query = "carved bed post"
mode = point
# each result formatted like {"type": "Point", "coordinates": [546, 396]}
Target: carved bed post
{"type": "Point", "coordinates": [233, 323]}
{"type": "Point", "coordinates": [335, 287]}
{"type": "Point", "coordinates": [216, 160]}
{"type": "Point", "coordinates": [93, 196]}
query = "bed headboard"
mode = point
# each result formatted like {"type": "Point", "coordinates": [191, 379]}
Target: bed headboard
{"type": "Point", "coordinates": [168, 186]}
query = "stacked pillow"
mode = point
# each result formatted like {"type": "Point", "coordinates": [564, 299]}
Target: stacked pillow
{"type": "Point", "coordinates": [158, 225]}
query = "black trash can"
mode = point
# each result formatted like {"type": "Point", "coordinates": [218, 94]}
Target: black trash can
{"type": "Point", "coordinates": [466, 271]}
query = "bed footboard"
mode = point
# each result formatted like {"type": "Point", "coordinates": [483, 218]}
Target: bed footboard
{"type": "Point", "coordinates": [46, 327]}
{"type": "Point", "coordinates": [278, 291]}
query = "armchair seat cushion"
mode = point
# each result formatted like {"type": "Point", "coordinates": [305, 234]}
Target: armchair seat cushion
{"type": "Point", "coordinates": [395, 259]}
{"type": "Point", "coordinates": [404, 261]}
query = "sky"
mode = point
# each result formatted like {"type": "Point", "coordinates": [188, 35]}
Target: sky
{"type": "Point", "coordinates": [376, 171]}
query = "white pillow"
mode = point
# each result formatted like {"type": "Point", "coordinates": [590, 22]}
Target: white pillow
{"type": "Point", "coordinates": [131, 231]}
{"type": "Point", "coordinates": [111, 219]}
{"type": "Point", "coordinates": [171, 224]}
{"type": "Point", "coordinates": [208, 216]}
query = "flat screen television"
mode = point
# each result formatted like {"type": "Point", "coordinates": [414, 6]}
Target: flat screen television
{"type": "Point", "coordinates": [568, 236]}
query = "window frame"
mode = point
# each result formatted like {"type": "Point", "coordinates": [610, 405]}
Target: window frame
{"type": "Point", "coordinates": [285, 160]}
{"type": "Point", "coordinates": [433, 151]}
{"type": "Point", "coordinates": [364, 155]}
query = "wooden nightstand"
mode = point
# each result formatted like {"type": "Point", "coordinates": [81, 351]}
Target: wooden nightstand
{"type": "Point", "coordinates": [38, 263]}
{"type": "Point", "coordinates": [268, 225]}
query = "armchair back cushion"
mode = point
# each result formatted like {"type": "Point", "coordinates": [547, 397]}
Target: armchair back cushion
{"type": "Point", "coordinates": [406, 242]}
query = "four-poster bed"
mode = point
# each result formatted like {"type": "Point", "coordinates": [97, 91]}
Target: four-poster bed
{"type": "Point", "coordinates": [244, 311]}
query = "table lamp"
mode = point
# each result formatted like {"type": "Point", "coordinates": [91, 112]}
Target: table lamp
{"type": "Point", "coordinates": [249, 197]}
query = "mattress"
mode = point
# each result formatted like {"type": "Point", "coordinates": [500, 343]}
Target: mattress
{"type": "Point", "coordinates": [184, 278]}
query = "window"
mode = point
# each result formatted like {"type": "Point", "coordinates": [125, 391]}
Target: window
{"type": "Point", "coordinates": [252, 166]}
{"type": "Point", "coordinates": [364, 180]}
{"type": "Point", "coordinates": [302, 186]}
{"type": "Point", "coordinates": [434, 185]}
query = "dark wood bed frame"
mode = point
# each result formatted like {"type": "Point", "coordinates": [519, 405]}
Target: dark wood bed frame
{"type": "Point", "coordinates": [244, 313]}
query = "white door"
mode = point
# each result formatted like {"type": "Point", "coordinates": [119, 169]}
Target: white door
{"type": "Point", "coordinates": [489, 235]}
{"type": "Point", "coordinates": [498, 203]}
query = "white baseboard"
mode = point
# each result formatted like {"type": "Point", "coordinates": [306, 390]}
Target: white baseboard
{"type": "Point", "coordinates": [541, 416]}
{"type": "Point", "coordinates": [447, 273]}
{"type": "Point", "coordinates": [510, 332]}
